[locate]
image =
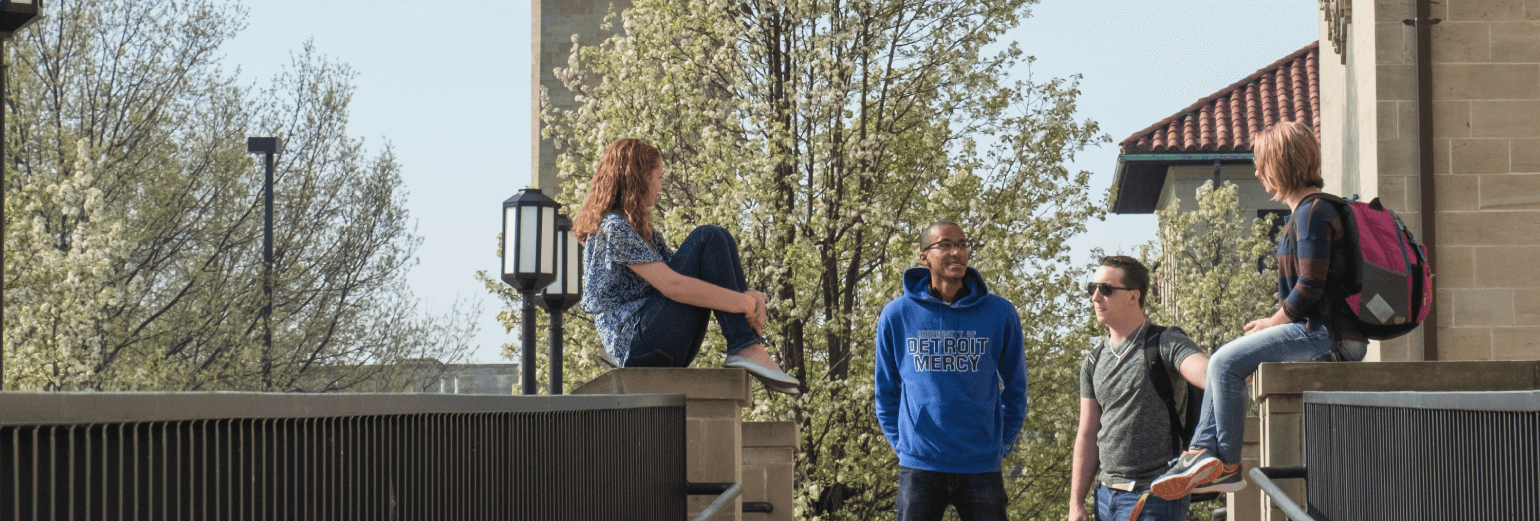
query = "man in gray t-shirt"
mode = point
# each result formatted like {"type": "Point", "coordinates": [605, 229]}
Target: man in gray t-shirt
{"type": "Point", "coordinates": [1125, 429]}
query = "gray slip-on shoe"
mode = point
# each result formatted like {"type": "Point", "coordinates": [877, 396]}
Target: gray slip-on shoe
{"type": "Point", "coordinates": [772, 379]}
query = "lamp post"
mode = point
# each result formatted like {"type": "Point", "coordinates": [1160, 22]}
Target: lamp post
{"type": "Point", "coordinates": [529, 262]}
{"type": "Point", "coordinates": [267, 146]}
{"type": "Point", "coordinates": [14, 15]}
{"type": "Point", "coordinates": [565, 291]}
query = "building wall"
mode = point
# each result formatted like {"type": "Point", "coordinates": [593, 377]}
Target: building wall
{"type": "Point", "coordinates": [1183, 181]}
{"type": "Point", "coordinates": [1335, 153]}
{"type": "Point", "coordinates": [1486, 130]}
{"type": "Point", "coordinates": [1351, 84]}
{"type": "Point", "coordinates": [1395, 177]}
{"type": "Point", "coordinates": [1359, 87]}
{"type": "Point", "coordinates": [479, 379]}
{"type": "Point", "coordinates": [556, 23]}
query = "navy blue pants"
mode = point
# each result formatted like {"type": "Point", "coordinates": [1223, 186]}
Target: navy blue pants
{"type": "Point", "coordinates": [670, 333]}
{"type": "Point", "coordinates": [923, 495]}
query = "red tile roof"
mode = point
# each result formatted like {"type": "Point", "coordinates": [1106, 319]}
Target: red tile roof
{"type": "Point", "coordinates": [1287, 90]}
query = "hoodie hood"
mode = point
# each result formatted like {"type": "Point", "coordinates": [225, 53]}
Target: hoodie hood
{"type": "Point", "coordinates": [917, 287]}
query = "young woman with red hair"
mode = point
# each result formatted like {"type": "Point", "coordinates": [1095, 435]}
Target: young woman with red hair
{"type": "Point", "coordinates": [1311, 244]}
{"type": "Point", "coordinates": [651, 304]}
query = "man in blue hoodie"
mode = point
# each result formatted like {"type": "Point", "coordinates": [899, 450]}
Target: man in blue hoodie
{"type": "Point", "coordinates": [951, 383]}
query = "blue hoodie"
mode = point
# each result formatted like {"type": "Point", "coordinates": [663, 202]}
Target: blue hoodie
{"type": "Point", "coordinates": [939, 373]}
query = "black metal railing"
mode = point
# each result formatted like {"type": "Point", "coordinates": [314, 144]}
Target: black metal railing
{"type": "Point", "coordinates": [1422, 455]}
{"type": "Point", "coordinates": [245, 456]}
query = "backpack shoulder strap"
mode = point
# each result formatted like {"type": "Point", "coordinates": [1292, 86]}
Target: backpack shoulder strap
{"type": "Point", "coordinates": [1330, 198]}
{"type": "Point", "coordinates": [1342, 274]}
{"type": "Point", "coordinates": [1162, 380]}
{"type": "Point", "coordinates": [1096, 352]}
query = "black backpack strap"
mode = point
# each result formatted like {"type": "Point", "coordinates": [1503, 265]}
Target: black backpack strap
{"type": "Point", "coordinates": [1161, 379]}
{"type": "Point", "coordinates": [1341, 273]}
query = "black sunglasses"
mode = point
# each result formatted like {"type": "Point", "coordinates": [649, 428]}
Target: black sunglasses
{"type": "Point", "coordinates": [1092, 287]}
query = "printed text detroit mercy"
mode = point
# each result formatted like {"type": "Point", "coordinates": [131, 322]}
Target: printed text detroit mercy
{"type": "Point", "coordinates": [947, 350]}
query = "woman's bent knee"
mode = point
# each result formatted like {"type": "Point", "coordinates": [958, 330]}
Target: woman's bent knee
{"type": "Point", "coordinates": [711, 233]}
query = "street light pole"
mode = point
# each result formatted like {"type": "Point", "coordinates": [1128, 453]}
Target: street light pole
{"type": "Point", "coordinates": [267, 146]}
{"type": "Point", "coordinates": [5, 98]}
{"type": "Point", "coordinates": [14, 15]}
{"type": "Point", "coordinates": [564, 292]}
{"type": "Point", "coordinates": [529, 258]}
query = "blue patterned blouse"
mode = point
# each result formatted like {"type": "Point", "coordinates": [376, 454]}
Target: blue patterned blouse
{"type": "Point", "coordinates": [612, 292]}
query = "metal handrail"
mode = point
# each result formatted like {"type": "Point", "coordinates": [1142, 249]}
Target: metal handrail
{"type": "Point", "coordinates": [1261, 476]}
{"type": "Point", "coordinates": [728, 494]}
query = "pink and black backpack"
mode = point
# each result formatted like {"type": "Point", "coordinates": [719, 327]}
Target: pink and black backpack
{"type": "Point", "coordinates": [1387, 285]}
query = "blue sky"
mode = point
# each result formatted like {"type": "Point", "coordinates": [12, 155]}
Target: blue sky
{"type": "Point", "coordinates": [447, 84]}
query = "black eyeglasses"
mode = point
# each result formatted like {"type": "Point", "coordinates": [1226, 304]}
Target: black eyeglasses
{"type": "Point", "coordinates": [949, 245]}
{"type": "Point", "coordinates": [1092, 287]}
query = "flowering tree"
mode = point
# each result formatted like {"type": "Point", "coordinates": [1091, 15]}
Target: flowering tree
{"type": "Point", "coordinates": [133, 233]}
{"type": "Point", "coordinates": [825, 136]}
{"type": "Point", "coordinates": [1213, 272]}
{"type": "Point", "coordinates": [1213, 267]}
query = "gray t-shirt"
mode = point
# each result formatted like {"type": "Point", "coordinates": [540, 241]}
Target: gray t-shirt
{"type": "Point", "coordinates": [1135, 438]}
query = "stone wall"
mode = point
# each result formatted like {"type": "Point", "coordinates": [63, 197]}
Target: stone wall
{"type": "Point", "coordinates": [1486, 130]}
{"type": "Point", "coordinates": [557, 22]}
{"type": "Point", "coordinates": [1182, 182]}
{"type": "Point", "coordinates": [1486, 153]}
{"type": "Point", "coordinates": [770, 468]}
{"type": "Point", "coordinates": [719, 446]}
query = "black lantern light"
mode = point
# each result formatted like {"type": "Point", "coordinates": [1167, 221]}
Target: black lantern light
{"type": "Point", "coordinates": [564, 292]}
{"type": "Point", "coordinates": [529, 262]}
{"type": "Point", "coordinates": [16, 14]}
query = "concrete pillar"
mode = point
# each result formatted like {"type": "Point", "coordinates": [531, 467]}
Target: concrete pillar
{"type": "Point", "coordinates": [1282, 445]}
{"type": "Point", "coordinates": [714, 399]}
{"type": "Point", "coordinates": [769, 467]}
{"type": "Point", "coordinates": [1247, 504]}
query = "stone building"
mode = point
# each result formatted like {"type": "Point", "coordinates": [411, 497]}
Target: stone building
{"type": "Point", "coordinates": [1480, 155]}
{"type": "Point", "coordinates": [1450, 138]}
{"type": "Point", "coordinates": [1210, 140]}
{"type": "Point", "coordinates": [558, 24]}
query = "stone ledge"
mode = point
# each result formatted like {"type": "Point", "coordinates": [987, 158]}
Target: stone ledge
{"type": "Point", "coordinates": [1298, 377]}
{"type": "Point", "coordinates": [694, 384]}
{"type": "Point", "coordinates": [772, 434]}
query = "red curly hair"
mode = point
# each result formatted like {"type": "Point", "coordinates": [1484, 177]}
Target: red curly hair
{"type": "Point", "coordinates": [621, 185]}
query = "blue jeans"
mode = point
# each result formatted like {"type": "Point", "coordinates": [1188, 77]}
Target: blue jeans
{"type": "Point", "coordinates": [1118, 505]}
{"type": "Point", "coordinates": [923, 495]}
{"type": "Point", "coordinates": [1222, 424]}
{"type": "Point", "coordinates": [669, 334]}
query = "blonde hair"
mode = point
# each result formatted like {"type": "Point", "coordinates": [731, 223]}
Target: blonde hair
{"type": "Point", "coordinates": [1288, 157]}
{"type": "Point", "coordinates": [621, 185]}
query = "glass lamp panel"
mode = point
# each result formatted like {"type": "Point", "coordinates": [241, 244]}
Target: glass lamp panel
{"type": "Point", "coordinates": [527, 239]}
{"type": "Point", "coordinates": [574, 274]}
{"type": "Point", "coordinates": [510, 239]}
{"type": "Point", "coordinates": [556, 285]}
{"type": "Point", "coordinates": [547, 240]}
